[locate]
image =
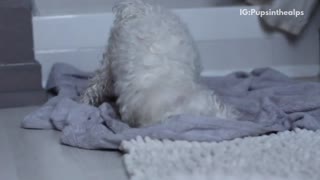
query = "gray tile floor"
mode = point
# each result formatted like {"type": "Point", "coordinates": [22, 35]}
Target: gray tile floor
{"type": "Point", "coordinates": [37, 154]}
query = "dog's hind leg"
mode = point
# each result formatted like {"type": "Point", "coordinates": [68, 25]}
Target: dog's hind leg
{"type": "Point", "coordinates": [100, 87]}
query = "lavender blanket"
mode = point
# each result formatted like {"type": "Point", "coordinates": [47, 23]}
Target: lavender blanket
{"type": "Point", "coordinates": [267, 100]}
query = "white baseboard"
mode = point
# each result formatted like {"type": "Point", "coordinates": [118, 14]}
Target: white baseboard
{"type": "Point", "coordinates": [80, 61]}
{"type": "Point", "coordinates": [291, 71]}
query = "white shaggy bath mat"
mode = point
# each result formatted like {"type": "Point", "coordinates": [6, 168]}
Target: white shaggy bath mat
{"type": "Point", "coordinates": [285, 156]}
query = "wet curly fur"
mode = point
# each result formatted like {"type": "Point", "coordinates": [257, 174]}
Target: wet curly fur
{"type": "Point", "coordinates": [152, 67]}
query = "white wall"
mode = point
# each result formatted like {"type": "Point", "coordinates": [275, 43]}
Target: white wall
{"type": "Point", "coordinates": [226, 41]}
{"type": "Point", "coordinates": [71, 7]}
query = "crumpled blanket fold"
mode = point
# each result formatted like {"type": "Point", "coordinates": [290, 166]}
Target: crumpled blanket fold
{"type": "Point", "coordinates": [267, 100]}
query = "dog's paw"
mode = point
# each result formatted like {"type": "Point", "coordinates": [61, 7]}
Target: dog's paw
{"type": "Point", "coordinates": [84, 99]}
{"type": "Point", "coordinates": [89, 97]}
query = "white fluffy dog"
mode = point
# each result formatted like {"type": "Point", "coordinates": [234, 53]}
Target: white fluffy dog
{"type": "Point", "coordinates": [152, 67]}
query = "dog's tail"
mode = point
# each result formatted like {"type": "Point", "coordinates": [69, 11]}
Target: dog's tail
{"type": "Point", "coordinates": [127, 9]}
